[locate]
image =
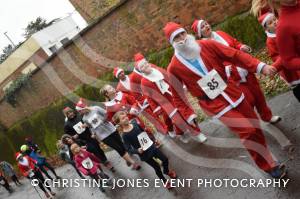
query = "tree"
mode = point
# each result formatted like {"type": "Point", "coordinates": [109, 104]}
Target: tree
{"type": "Point", "coordinates": [7, 50]}
{"type": "Point", "coordinates": [35, 26]}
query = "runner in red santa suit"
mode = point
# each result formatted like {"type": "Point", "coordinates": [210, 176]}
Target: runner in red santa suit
{"type": "Point", "coordinates": [30, 170]}
{"type": "Point", "coordinates": [199, 65]}
{"type": "Point", "coordinates": [247, 80]}
{"type": "Point", "coordinates": [130, 84]}
{"type": "Point", "coordinates": [269, 23]}
{"type": "Point", "coordinates": [155, 86]}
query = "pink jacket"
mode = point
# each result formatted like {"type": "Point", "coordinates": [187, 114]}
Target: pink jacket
{"type": "Point", "coordinates": [81, 157]}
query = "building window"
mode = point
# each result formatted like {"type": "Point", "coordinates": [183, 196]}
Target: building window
{"type": "Point", "coordinates": [53, 49]}
{"type": "Point", "coordinates": [64, 41]}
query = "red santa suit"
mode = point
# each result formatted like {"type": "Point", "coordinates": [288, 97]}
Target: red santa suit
{"type": "Point", "coordinates": [121, 102]}
{"type": "Point", "coordinates": [218, 97]}
{"type": "Point", "coordinates": [292, 78]}
{"type": "Point", "coordinates": [158, 91]}
{"type": "Point", "coordinates": [26, 165]}
{"type": "Point", "coordinates": [248, 81]}
{"type": "Point", "coordinates": [132, 87]}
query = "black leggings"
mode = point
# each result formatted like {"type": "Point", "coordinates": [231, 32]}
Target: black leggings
{"type": "Point", "coordinates": [6, 184]}
{"type": "Point", "coordinates": [165, 162]}
{"type": "Point", "coordinates": [296, 92]}
{"type": "Point", "coordinates": [39, 176]}
{"type": "Point", "coordinates": [93, 147]}
{"type": "Point", "coordinates": [115, 142]}
{"type": "Point", "coordinates": [47, 165]}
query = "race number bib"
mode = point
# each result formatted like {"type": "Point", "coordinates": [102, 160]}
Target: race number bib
{"type": "Point", "coordinates": [95, 121]}
{"type": "Point", "coordinates": [212, 84]}
{"type": "Point", "coordinates": [78, 128]}
{"type": "Point", "coordinates": [87, 163]}
{"type": "Point", "coordinates": [144, 141]}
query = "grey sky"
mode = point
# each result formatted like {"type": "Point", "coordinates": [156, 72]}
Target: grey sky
{"type": "Point", "coordinates": [15, 15]}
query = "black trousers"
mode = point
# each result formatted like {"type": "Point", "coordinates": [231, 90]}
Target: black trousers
{"type": "Point", "coordinates": [296, 92]}
{"type": "Point", "coordinates": [93, 147]}
{"type": "Point", "coordinates": [47, 165]}
{"type": "Point", "coordinates": [115, 142]}
{"type": "Point", "coordinates": [165, 162]}
{"type": "Point", "coordinates": [39, 176]}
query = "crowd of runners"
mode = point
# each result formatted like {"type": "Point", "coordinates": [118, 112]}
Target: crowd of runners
{"type": "Point", "coordinates": [212, 66]}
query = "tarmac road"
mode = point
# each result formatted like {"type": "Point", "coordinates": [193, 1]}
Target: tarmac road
{"type": "Point", "coordinates": [221, 157]}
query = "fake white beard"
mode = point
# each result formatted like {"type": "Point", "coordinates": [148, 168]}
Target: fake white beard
{"type": "Point", "coordinates": [189, 48]}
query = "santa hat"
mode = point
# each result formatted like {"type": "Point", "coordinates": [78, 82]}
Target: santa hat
{"type": "Point", "coordinates": [139, 60]}
{"type": "Point", "coordinates": [263, 19]}
{"type": "Point", "coordinates": [18, 155]}
{"type": "Point", "coordinates": [196, 27]}
{"type": "Point", "coordinates": [172, 29]}
{"type": "Point", "coordinates": [117, 71]}
{"type": "Point", "coordinates": [80, 105]}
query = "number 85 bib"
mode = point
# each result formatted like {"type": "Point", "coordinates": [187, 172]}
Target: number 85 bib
{"type": "Point", "coordinates": [212, 84]}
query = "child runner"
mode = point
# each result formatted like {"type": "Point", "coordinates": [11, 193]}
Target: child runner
{"type": "Point", "coordinates": [137, 141]}
{"type": "Point", "coordinates": [65, 154]}
{"type": "Point", "coordinates": [87, 163]}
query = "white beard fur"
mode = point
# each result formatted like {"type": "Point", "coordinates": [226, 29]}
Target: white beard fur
{"type": "Point", "coordinates": [189, 49]}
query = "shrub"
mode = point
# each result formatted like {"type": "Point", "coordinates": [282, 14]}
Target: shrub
{"type": "Point", "coordinates": [11, 92]}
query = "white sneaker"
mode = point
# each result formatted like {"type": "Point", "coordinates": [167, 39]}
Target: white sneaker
{"type": "Point", "coordinates": [201, 138]}
{"type": "Point", "coordinates": [185, 138]}
{"type": "Point", "coordinates": [172, 134]}
{"type": "Point", "coordinates": [275, 119]}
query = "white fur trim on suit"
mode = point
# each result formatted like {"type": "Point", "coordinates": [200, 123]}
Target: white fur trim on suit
{"type": "Point", "coordinates": [229, 107]}
{"type": "Point", "coordinates": [218, 38]}
{"type": "Point", "coordinates": [156, 109]}
{"type": "Point", "coordinates": [243, 74]}
{"type": "Point", "coordinates": [294, 83]}
{"type": "Point", "coordinates": [191, 117]}
{"type": "Point", "coordinates": [176, 32]}
{"type": "Point", "coordinates": [228, 70]}
{"type": "Point", "coordinates": [259, 68]}
{"type": "Point", "coordinates": [173, 113]}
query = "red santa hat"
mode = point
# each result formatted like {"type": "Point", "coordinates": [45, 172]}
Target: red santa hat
{"type": "Point", "coordinates": [80, 105]}
{"type": "Point", "coordinates": [196, 27]}
{"type": "Point", "coordinates": [263, 19]}
{"type": "Point", "coordinates": [172, 29]}
{"type": "Point", "coordinates": [117, 71]}
{"type": "Point", "coordinates": [18, 155]}
{"type": "Point", "coordinates": [139, 60]}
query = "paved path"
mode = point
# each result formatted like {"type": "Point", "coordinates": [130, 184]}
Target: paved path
{"type": "Point", "coordinates": [220, 158]}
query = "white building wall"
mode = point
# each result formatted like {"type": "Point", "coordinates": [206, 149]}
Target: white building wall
{"type": "Point", "coordinates": [52, 35]}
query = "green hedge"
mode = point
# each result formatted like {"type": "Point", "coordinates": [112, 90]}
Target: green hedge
{"type": "Point", "coordinates": [46, 125]}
